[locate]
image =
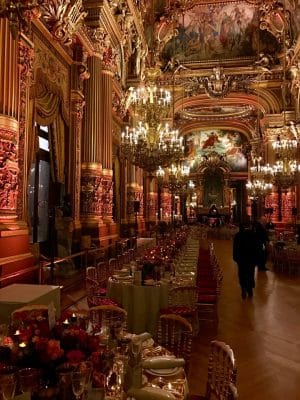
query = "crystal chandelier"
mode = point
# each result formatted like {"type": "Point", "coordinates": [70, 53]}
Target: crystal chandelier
{"type": "Point", "coordinates": [285, 173]}
{"type": "Point", "coordinates": [258, 188]}
{"type": "Point", "coordinates": [148, 148]}
{"type": "Point", "coordinates": [151, 142]}
{"type": "Point", "coordinates": [286, 167]}
{"type": "Point", "coordinates": [149, 103]}
{"type": "Point", "coordinates": [285, 148]}
{"type": "Point", "coordinates": [177, 177]}
{"type": "Point", "coordinates": [260, 171]}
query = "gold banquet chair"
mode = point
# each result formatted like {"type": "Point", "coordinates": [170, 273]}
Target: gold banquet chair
{"type": "Point", "coordinates": [108, 315]}
{"type": "Point", "coordinates": [222, 373]}
{"type": "Point", "coordinates": [175, 334]}
{"type": "Point", "coordinates": [182, 301]}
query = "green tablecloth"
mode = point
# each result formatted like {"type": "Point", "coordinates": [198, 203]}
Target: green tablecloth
{"type": "Point", "coordinates": [142, 304]}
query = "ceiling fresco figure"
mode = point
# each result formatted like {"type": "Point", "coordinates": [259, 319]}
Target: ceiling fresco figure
{"type": "Point", "coordinates": [224, 142]}
{"type": "Point", "coordinates": [215, 31]}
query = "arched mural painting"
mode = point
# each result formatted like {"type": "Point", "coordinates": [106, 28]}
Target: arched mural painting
{"type": "Point", "coordinates": [227, 143]}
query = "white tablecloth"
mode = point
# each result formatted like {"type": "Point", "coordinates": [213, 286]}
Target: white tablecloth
{"type": "Point", "coordinates": [19, 295]}
{"type": "Point", "coordinates": [142, 304]}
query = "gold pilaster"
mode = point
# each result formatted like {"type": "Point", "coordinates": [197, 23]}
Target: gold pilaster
{"type": "Point", "coordinates": [9, 125]}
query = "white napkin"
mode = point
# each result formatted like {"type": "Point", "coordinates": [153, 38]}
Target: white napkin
{"type": "Point", "coordinates": [162, 363]}
{"type": "Point", "coordinates": [150, 393]}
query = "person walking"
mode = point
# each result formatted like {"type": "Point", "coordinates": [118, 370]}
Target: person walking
{"type": "Point", "coordinates": [262, 239]}
{"type": "Point", "coordinates": [245, 255]}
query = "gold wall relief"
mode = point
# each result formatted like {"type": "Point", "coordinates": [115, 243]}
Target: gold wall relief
{"type": "Point", "coordinates": [91, 195]}
{"type": "Point", "coordinates": [25, 64]}
{"type": "Point", "coordinates": [8, 172]}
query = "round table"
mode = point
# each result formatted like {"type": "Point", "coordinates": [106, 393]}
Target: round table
{"type": "Point", "coordinates": [142, 304]}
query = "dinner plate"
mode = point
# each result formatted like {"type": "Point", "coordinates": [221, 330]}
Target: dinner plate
{"type": "Point", "coordinates": [164, 372]}
{"type": "Point", "coordinates": [122, 277]}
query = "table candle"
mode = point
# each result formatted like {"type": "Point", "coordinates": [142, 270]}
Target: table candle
{"type": "Point", "coordinates": [17, 335]}
{"type": "Point", "coordinates": [66, 322]}
{"type": "Point", "coordinates": [73, 317]}
{"type": "Point", "coordinates": [22, 344]}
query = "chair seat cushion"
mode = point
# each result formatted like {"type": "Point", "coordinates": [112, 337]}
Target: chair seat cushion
{"type": "Point", "coordinates": [102, 291]}
{"type": "Point", "coordinates": [206, 290]}
{"type": "Point", "coordinates": [179, 310]}
{"type": "Point", "coordinates": [207, 298]}
{"type": "Point", "coordinates": [101, 301]}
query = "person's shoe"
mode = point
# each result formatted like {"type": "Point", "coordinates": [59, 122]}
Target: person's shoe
{"type": "Point", "coordinates": [250, 293]}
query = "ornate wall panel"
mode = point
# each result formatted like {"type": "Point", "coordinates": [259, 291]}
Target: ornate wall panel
{"type": "Point", "coordinates": [51, 71]}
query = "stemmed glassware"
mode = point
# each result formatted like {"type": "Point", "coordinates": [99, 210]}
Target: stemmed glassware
{"type": "Point", "coordinates": [29, 379]}
{"type": "Point", "coordinates": [8, 385]}
{"type": "Point", "coordinates": [78, 383]}
{"type": "Point", "coordinates": [136, 348]}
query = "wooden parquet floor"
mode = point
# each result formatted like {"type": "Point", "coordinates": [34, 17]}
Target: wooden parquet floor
{"type": "Point", "coordinates": [264, 334]}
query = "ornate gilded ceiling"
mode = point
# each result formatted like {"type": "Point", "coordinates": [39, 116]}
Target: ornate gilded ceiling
{"type": "Point", "coordinates": [228, 63]}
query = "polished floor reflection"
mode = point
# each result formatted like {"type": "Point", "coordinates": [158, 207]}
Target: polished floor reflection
{"type": "Point", "coordinates": [264, 333]}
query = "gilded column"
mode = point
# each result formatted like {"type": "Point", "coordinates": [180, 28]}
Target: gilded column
{"type": "Point", "coordinates": [131, 189]}
{"type": "Point", "coordinates": [152, 201]}
{"type": "Point", "coordinates": [9, 124]}
{"type": "Point", "coordinates": [91, 167]}
{"type": "Point", "coordinates": [108, 56]}
{"type": "Point", "coordinates": [139, 197]}
{"type": "Point", "coordinates": [79, 74]}
{"type": "Point", "coordinates": [106, 138]}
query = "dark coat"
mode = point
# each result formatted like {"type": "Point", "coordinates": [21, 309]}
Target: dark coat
{"type": "Point", "coordinates": [245, 247]}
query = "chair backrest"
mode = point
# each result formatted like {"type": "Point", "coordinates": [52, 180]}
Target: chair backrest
{"type": "Point", "coordinates": [183, 296]}
{"type": "Point", "coordinates": [108, 315]}
{"type": "Point", "coordinates": [91, 272]}
{"type": "Point", "coordinates": [102, 270]}
{"type": "Point", "coordinates": [221, 371]}
{"type": "Point", "coordinates": [233, 393]}
{"type": "Point", "coordinates": [175, 334]}
{"type": "Point", "coordinates": [113, 265]}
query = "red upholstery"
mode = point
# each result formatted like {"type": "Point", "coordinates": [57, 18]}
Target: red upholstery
{"type": "Point", "coordinates": [101, 301]}
{"type": "Point", "coordinates": [207, 298]}
{"type": "Point", "coordinates": [183, 311]}
{"type": "Point", "coordinates": [102, 291]}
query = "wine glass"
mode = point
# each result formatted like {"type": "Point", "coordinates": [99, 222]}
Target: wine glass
{"type": "Point", "coordinates": [136, 348]}
{"type": "Point", "coordinates": [8, 386]}
{"type": "Point", "coordinates": [78, 383]}
{"type": "Point", "coordinates": [29, 379]}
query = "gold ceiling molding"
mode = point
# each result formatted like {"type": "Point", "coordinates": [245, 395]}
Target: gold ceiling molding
{"type": "Point", "coordinates": [213, 113]}
{"type": "Point", "coordinates": [63, 18]}
{"type": "Point", "coordinates": [276, 19]}
{"type": "Point", "coordinates": [20, 14]}
{"type": "Point", "coordinates": [42, 33]}
{"type": "Point", "coordinates": [268, 102]}
{"type": "Point", "coordinates": [244, 127]}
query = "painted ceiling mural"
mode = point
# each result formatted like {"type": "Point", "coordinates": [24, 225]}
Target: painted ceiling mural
{"type": "Point", "coordinates": [217, 31]}
{"type": "Point", "coordinates": [225, 142]}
